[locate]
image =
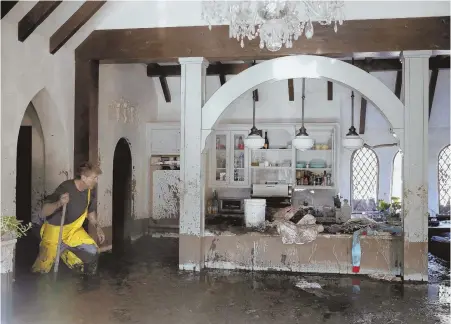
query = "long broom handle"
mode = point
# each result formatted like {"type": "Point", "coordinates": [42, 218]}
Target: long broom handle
{"type": "Point", "coordinates": [60, 239]}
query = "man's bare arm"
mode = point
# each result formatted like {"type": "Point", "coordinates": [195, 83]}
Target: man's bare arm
{"type": "Point", "coordinates": [92, 217]}
{"type": "Point", "coordinates": [49, 208]}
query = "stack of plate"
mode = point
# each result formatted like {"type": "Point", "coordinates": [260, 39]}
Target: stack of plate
{"type": "Point", "coordinates": [317, 164]}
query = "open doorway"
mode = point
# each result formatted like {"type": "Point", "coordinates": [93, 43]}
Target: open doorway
{"type": "Point", "coordinates": [29, 185]}
{"type": "Point", "coordinates": [122, 195]}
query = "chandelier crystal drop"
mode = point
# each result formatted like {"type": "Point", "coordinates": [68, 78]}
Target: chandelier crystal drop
{"type": "Point", "coordinates": [276, 22]}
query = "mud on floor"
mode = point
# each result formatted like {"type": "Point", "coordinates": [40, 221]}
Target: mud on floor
{"type": "Point", "coordinates": [144, 286]}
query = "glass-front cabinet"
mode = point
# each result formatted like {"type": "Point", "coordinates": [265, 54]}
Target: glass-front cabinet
{"type": "Point", "coordinates": [229, 159]}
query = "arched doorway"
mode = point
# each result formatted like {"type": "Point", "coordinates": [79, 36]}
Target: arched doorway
{"type": "Point", "coordinates": [304, 66]}
{"type": "Point", "coordinates": [122, 195]}
{"type": "Point", "coordinates": [30, 177]}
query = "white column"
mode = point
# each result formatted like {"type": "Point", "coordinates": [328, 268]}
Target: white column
{"type": "Point", "coordinates": [193, 77]}
{"type": "Point", "coordinates": [415, 148]}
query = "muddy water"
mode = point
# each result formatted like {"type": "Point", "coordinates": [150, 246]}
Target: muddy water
{"type": "Point", "coordinates": [144, 286]}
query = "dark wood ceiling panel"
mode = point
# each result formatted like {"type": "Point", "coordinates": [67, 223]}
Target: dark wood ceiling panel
{"type": "Point", "coordinates": [35, 17]}
{"type": "Point", "coordinates": [73, 24]}
{"type": "Point", "coordinates": [355, 36]}
{"type": "Point", "coordinates": [398, 84]}
{"type": "Point", "coordinates": [7, 6]}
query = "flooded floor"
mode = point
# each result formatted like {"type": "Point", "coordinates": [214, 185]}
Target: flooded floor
{"type": "Point", "coordinates": [145, 286]}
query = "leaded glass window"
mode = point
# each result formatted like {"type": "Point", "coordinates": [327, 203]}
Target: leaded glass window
{"type": "Point", "coordinates": [365, 173]}
{"type": "Point", "coordinates": [444, 180]}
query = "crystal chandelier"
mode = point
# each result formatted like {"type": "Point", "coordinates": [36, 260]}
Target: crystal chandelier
{"type": "Point", "coordinates": [276, 22]}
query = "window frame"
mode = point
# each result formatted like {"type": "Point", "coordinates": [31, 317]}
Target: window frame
{"type": "Point", "coordinates": [352, 175]}
{"type": "Point", "coordinates": [438, 174]}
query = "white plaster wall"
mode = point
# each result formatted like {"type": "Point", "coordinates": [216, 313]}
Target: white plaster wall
{"type": "Point", "coordinates": [130, 83]}
{"type": "Point", "coordinates": [30, 74]}
{"type": "Point", "coordinates": [439, 133]}
{"type": "Point", "coordinates": [169, 13]}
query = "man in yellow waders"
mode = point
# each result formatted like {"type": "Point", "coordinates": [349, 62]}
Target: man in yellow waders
{"type": "Point", "coordinates": [78, 251]}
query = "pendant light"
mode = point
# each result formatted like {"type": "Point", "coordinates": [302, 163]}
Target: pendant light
{"type": "Point", "coordinates": [352, 140]}
{"type": "Point", "coordinates": [254, 140]}
{"type": "Point", "coordinates": [302, 141]}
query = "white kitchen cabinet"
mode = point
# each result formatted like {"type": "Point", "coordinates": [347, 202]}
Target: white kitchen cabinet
{"type": "Point", "coordinates": [229, 159]}
{"type": "Point", "coordinates": [321, 159]}
{"type": "Point", "coordinates": [164, 140]}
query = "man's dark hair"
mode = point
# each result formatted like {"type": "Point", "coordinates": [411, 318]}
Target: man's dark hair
{"type": "Point", "coordinates": [87, 168]}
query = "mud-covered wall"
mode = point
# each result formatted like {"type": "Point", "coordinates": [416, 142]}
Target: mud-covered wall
{"type": "Point", "coordinates": [127, 101]}
{"type": "Point", "coordinates": [327, 254]}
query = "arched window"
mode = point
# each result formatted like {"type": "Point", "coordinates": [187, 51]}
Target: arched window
{"type": "Point", "coordinates": [365, 174]}
{"type": "Point", "coordinates": [396, 180]}
{"type": "Point", "coordinates": [444, 180]}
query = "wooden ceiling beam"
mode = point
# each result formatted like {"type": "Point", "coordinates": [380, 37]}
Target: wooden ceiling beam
{"type": "Point", "coordinates": [432, 85]}
{"type": "Point", "coordinates": [255, 92]}
{"type": "Point", "coordinates": [73, 24]}
{"type": "Point", "coordinates": [330, 90]}
{"type": "Point", "coordinates": [363, 103]}
{"type": "Point", "coordinates": [398, 84]}
{"type": "Point", "coordinates": [354, 36]}
{"type": "Point", "coordinates": [290, 90]}
{"type": "Point", "coordinates": [222, 76]}
{"type": "Point", "coordinates": [165, 88]}
{"type": "Point", "coordinates": [7, 6]}
{"type": "Point", "coordinates": [35, 17]}
{"type": "Point", "coordinates": [163, 82]}
{"type": "Point", "coordinates": [375, 65]}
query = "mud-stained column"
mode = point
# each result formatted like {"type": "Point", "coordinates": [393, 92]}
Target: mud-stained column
{"type": "Point", "coordinates": [193, 76]}
{"type": "Point", "coordinates": [415, 148]}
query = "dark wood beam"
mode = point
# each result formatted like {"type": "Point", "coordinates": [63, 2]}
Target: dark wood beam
{"type": "Point", "coordinates": [290, 90]}
{"type": "Point", "coordinates": [255, 92]}
{"type": "Point", "coordinates": [73, 24]}
{"type": "Point", "coordinates": [354, 36]}
{"type": "Point", "coordinates": [398, 84]}
{"type": "Point", "coordinates": [222, 76]}
{"type": "Point", "coordinates": [438, 62]}
{"type": "Point", "coordinates": [86, 113]}
{"type": "Point", "coordinates": [165, 88]}
{"type": "Point", "coordinates": [363, 103]}
{"type": "Point", "coordinates": [432, 85]}
{"type": "Point", "coordinates": [330, 90]}
{"type": "Point", "coordinates": [35, 17]}
{"type": "Point", "coordinates": [7, 6]}
{"type": "Point", "coordinates": [362, 123]}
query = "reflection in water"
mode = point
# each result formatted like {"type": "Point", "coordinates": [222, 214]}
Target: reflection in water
{"type": "Point", "coordinates": [145, 286]}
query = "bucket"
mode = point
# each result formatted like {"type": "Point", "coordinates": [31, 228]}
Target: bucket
{"type": "Point", "coordinates": [254, 212]}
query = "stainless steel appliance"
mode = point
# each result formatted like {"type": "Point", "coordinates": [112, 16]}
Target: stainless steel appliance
{"type": "Point", "coordinates": [277, 195]}
{"type": "Point", "coordinates": [231, 205]}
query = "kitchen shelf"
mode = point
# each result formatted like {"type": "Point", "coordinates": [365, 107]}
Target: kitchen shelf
{"type": "Point", "coordinates": [314, 169]}
{"type": "Point", "coordinates": [313, 187]}
{"type": "Point", "coordinates": [273, 150]}
{"type": "Point", "coordinates": [270, 167]}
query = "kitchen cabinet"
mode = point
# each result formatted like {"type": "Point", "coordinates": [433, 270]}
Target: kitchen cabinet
{"type": "Point", "coordinates": [320, 160]}
{"type": "Point", "coordinates": [164, 139]}
{"type": "Point", "coordinates": [229, 159]}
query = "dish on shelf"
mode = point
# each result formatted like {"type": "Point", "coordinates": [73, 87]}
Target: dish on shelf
{"type": "Point", "coordinates": [300, 165]}
{"type": "Point", "coordinates": [317, 164]}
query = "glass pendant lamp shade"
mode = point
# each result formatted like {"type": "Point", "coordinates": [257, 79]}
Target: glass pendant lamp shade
{"type": "Point", "coordinates": [352, 141]}
{"type": "Point", "coordinates": [254, 140]}
{"type": "Point", "coordinates": [302, 141]}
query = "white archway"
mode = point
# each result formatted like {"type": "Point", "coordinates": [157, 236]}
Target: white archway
{"type": "Point", "coordinates": [305, 66]}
